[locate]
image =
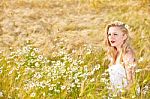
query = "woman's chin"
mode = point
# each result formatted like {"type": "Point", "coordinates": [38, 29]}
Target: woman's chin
{"type": "Point", "coordinates": [112, 45]}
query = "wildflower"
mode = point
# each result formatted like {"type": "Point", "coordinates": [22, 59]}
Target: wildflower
{"type": "Point", "coordinates": [97, 67]}
{"type": "Point", "coordinates": [51, 88]}
{"type": "Point", "coordinates": [37, 64]}
{"type": "Point", "coordinates": [72, 85]}
{"type": "Point", "coordinates": [104, 74]}
{"type": "Point", "coordinates": [58, 82]}
{"type": "Point", "coordinates": [110, 88]}
{"type": "Point", "coordinates": [92, 80]}
{"type": "Point", "coordinates": [49, 94]}
{"type": "Point", "coordinates": [104, 96]}
{"type": "Point", "coordinates": [19, 51]}
{"type": "Point", "coordinates": [103, 79]}
{"type": "Point", "coordinates": [115, 95]}
{"type": "Point", "coordinates": [8, 62]}
{"type": "Point", "coordinates": [81, 62]}
{"type": "Point", "coordinates": [92, 72]}
{"type": "Point", "coordinates": [1, 94]}
{"type": "Point", "coordinates": [32, 54]}
{"type": "Point", "coordinates": [127, 27]}
{"type": "Point", "coordinates": [44, 94]}
{"type": "Point", "coordinates": [75, 62]}
{"type": "Point", "coordinates": [79, 85]}
{"type": "Point", "coordinates": [133, 96]}
{"type": "Point", "coordinates": [138, 90]}
{"type": "Point", "coordinates": [68, 88]}
{"type": "Point", "coordinates": [106, 71]}
{"type": "Point", "coordinates": [76, 80]}
{"type": "Point", "coordinates": [70, 59]}
{"type": "Point", "coordinates": [42, 85]}
{"type": "Point", "coordinates": [17, 77]}
{"type": "Point", "coordinates": [73, 51]}
{"type": "Point", "coordinates": [86, 68]}
{"type": "Point", "coordinates": [17, 88]}
{"type": "Point", "coordinates": [69, 78]}
{"type": "Point", "coordinates": [11, 72]}
{"type": "Point", "coordinates": [89, 52]}
{"type": "Point", "coordinates": [36, 50]}
{"type": "Point", "coordinates": [122, 90]}
{"type": "Point", "coordinates": [57, 91]}
{"type": "Point", "coordinates": [40, 57]}
{"type": "Point", "coordinates": [32, 94]}
{"type": "Point", "coordinates": [26, 49]}
{"type": "Point", "coordinates": [63, 87]}
{"type": "Point", "coordinates": [37, 75]}
{"type": "Point", "coordinates": [145, 89]}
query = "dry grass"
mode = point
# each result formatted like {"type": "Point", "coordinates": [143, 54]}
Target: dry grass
{"type": "Point", "coordinates": [45, 23]}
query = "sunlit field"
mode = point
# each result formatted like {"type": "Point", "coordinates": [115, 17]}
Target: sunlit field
{"type": "Point", "coordinates": [55, 49]}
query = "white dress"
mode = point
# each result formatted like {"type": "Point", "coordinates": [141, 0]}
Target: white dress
{"type": "Point", "coordinates": [118, 78]}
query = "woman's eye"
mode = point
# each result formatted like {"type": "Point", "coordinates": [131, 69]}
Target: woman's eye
{"type": "Point", "coordinates": [115, 34]}
{"type": "Point", "coordinates": [109, 34]}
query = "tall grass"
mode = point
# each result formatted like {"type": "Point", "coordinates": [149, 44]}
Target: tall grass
{"type": "Point", "coordinates": [55, 49]}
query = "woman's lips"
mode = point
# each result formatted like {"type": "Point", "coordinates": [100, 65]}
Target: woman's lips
{"type": "Point", "coordinates": [112, 41]}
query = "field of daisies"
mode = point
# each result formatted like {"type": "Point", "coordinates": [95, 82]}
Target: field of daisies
{"type": "Point", "coordinates": [55, 49]}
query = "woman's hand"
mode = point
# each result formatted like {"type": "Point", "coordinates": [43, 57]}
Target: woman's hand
{"type": "Point", "coordinates": [129, 86]}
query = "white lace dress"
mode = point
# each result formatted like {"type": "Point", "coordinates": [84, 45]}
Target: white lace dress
{"type": "Point", "coordinates": [118, 77]}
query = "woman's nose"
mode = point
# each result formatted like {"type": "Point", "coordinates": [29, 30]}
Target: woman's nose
{"type": "Point", "coordinates": [112, 37]}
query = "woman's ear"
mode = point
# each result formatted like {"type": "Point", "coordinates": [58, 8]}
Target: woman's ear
{"type": "Point", "coordinates": [124, 36]}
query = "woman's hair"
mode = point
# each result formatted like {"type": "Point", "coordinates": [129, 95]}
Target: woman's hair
{"type": "Point", "coordinates": [125, 46]}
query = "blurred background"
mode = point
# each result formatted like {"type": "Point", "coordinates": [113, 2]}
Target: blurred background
{"type": "Point", "coordinates": [77, 22]}
{"type": "Point", "coordinates": [61, 29]}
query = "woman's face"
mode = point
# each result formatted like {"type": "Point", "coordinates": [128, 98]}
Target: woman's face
{"type": "Point", "coordinates": [116, 36]}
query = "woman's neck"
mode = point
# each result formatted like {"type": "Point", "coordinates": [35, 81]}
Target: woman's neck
{"type": "Point", "coordinates": [118, 56]}
{"type": "Point", "coordinates": [118, 48]}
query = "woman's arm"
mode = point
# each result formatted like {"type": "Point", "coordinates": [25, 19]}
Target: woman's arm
{"type": "Point", "coordinates": [129, 62]}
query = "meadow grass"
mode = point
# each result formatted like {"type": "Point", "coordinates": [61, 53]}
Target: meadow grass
{"type": "Point", "coordinates": [55, 49]}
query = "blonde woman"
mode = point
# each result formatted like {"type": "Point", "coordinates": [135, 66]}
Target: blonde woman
{"type": "Point", "coordinates": [122, 60]}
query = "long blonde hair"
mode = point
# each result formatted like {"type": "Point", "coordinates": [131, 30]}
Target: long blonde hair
{"type": "Point", "coordinates": [112, 51]}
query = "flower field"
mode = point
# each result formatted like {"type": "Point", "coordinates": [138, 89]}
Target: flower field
{"type": "Point", "coordinates": [54, 49]}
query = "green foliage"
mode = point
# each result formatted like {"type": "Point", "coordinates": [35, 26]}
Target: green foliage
{"type": "Point", "coordinates": [27, 74]}
{"type": "Point", "coordinates": [78, 72]}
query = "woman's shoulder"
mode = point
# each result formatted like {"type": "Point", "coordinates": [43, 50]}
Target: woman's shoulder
{"type": "Point", "coordinates": [129, 53]}
{"type": "Point", "coordinates": [129, 56]}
